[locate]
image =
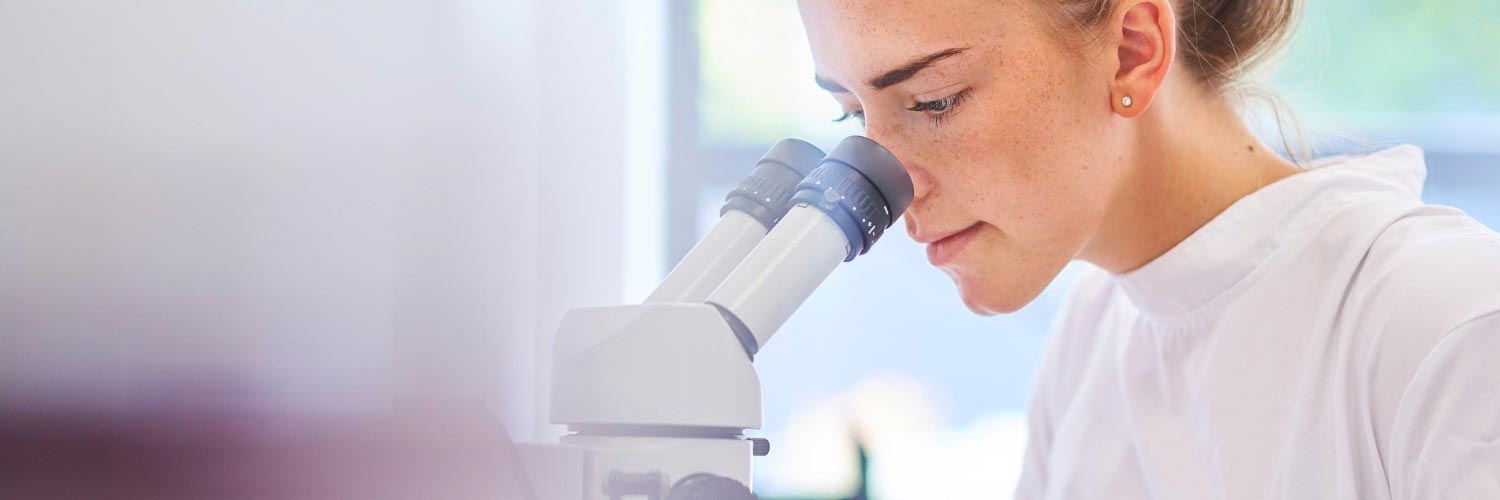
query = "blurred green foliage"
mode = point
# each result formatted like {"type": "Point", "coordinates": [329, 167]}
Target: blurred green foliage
{"type": "Point", "coordinates": [1390, 56]}
{"type": "Point", "coordinates": [1350, 57]}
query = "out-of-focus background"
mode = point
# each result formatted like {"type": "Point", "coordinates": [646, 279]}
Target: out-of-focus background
{"type": "Point", "coordinates": [280, 220]}
{"type": "Point", "coordinates": [885, 348]}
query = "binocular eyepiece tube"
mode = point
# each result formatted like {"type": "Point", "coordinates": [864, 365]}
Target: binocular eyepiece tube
{"type": "Point", "coordinates": [838, 212]}
{"type": "Point", "coordinates": [755, 206]}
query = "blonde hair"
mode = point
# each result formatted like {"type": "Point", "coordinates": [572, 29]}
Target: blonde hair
{"type": "Point", "coordinates": [1219, 40]}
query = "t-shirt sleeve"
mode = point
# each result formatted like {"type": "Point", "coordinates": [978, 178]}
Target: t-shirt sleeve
{"type": "Point", "coordinates": [1445, 440]}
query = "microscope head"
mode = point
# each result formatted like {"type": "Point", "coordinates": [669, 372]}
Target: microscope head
{"type": "Point", "coordinates": [688, 364]}
{"type": "Point", "coordinates": [662, 392]}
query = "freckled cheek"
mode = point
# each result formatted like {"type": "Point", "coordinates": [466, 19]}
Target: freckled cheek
{"type": "Point", "coordinates": [1026, 198]}
{"type": "Point", "coordinates": [1038, 145]}
{"type": "Point", "coordinates": [1000, 162]}
{"type": "Point", "coordinates": [979, 173]}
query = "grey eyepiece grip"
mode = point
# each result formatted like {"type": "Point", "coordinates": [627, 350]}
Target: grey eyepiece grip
{"type": "Point", "coordinates": [862, 187]}
{"type": "Point", "coordinates": [766, 193]}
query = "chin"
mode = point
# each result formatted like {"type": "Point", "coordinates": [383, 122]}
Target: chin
{"type": "Point", "coordinates": [987, 301]}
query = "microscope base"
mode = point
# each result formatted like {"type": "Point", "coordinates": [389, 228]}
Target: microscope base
{"type": "Point", "coordinates": [585, 467]}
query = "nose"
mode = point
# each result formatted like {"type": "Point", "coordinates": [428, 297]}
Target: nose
{"type": "Point", "coordinates": [922, 181]}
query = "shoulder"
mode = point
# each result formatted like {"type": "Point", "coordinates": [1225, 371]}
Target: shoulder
{"type": "Point", "coordinates": [1409, 265]}
{"type": "Point", "coordinates": [1421, 320]}
{"type": "Point", "coordinates": [1427, 272]}
{"type": "Point", "coordinates": [1430, 269]}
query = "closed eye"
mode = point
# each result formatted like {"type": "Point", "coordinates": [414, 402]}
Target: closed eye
{"type": "Point", "coordinates": [858, 113]}
{"type": "Point", "coordinates": [938, 109]}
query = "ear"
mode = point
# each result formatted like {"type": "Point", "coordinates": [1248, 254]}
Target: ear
{"type": "Point", "coordinates": [1146, 46]}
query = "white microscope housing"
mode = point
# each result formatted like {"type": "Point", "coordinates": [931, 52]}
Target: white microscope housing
{"type": "Point", "coordinates": [657, 396]}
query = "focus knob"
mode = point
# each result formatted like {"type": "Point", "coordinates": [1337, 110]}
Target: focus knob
{"type": "Point", "coordinates": [760, 446]}
{"type": "Point", "coordinates": [705, 486]}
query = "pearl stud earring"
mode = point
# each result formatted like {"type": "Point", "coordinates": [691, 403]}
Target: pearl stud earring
{"type": "Point", "coordinates": [1125, 101]}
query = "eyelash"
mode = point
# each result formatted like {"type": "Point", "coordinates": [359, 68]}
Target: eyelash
{"type": "Point", "coordinates": [940, 109]}
{"type": "Point", "coordinates": [851, 114]}
{"type": "Point", "coordinates": [937, 110]}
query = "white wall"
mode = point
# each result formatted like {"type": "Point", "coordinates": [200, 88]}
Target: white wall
{"type": "Point", "coordinates": [304, 207]}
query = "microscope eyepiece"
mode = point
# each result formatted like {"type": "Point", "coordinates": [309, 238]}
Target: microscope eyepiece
{"type": "Point", "coordinates": [766, 193]}
{"type": "Point", "coordinates": [879, 166]}
{"type": "Point", "coordinates": [862, 187]}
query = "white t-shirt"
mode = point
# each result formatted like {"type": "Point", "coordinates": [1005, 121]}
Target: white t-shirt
{"type": "Point", "coordinates": [1328, 336]}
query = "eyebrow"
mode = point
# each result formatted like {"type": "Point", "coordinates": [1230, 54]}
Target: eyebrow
{"type": "Point", "coordinates": [895, 76]}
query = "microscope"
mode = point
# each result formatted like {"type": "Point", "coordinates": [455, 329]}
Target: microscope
{"type": "Point", "coordinates": [657, 396]}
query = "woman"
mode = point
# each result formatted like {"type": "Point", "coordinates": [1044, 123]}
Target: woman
{"type": "Point", "coordinates": [1253, 329]}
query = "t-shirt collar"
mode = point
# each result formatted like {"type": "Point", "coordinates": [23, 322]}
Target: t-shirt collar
{"type": "Point", "coordinates": [1221, 254]}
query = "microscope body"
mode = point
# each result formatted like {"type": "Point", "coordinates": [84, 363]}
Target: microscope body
{"type": "Point", "coordinates": [657, 396]}
{"type": "Point", "coordinates": [651, 393]}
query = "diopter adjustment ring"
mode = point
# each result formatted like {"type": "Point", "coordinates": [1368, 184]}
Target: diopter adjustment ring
{"type": "Point", "coordinates": [764, 198]}
{"type": "Point", "coordinates": [851, 200]}
{"type": "Point", "coordinates": [766, 193]}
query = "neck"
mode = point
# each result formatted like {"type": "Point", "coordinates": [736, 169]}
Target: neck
{"type": "Point", "coordinates": [1188, 158]}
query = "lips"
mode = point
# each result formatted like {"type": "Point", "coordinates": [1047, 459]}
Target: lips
{"type": "Point", "coordinates": [944, 247]}
{"type": "Point", "coordinates": [930, 237]}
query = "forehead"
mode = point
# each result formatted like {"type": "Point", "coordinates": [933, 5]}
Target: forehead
{"type": "Point", "coordinates": [851, 40]}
